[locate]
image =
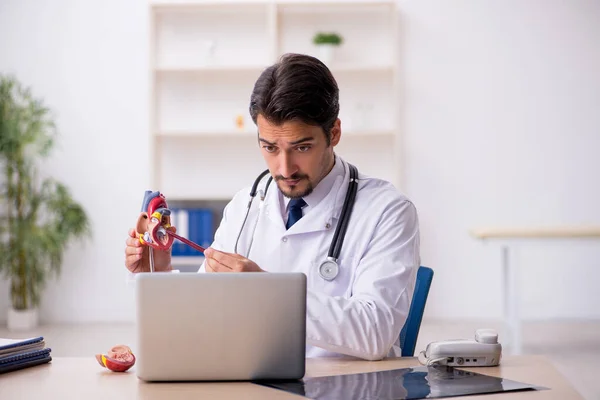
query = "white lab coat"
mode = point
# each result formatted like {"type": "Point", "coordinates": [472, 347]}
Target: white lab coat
{"type": "Point", "coordinates": [361, 312]}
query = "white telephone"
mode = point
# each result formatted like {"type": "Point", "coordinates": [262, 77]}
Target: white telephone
{"type": "Point", "coordinates": [484, 351]}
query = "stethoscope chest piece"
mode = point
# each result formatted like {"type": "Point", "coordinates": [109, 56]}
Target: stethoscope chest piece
{"type": "Point", "coordinates": [329, 269]}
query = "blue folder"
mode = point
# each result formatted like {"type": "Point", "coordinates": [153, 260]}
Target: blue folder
{"type": "Point", "coordinates": [198, 229]}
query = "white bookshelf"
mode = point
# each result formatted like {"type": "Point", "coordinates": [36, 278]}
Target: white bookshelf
{"type": "Point", "coordinates": [199, 152]}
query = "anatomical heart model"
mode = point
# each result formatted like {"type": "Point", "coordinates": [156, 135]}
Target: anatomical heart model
{"type": "Point", "coordinates": [153, 226]}
{"type": "Point", "coordinates": [154, 223]}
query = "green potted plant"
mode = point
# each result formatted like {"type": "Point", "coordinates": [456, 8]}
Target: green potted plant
{"type": "Point", "coordinates": [39, 216]}
{"type": "Point", "coordinates": [326, 42]}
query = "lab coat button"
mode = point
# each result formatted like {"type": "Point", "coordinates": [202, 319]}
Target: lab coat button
{"type": "Point", "coordinates": [327, 225]}
{"type": "Point", "coordinates": [284, 239]}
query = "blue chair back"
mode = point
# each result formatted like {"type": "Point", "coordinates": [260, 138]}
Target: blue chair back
{"type": "Point", "coordinates": [410, 331]}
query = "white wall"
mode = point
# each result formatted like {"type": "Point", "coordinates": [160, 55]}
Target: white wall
{"type": "Point", "coordinates": [88, 61]}
{"type": "Point", "coordinates": [503, 128]}
{"type": "Point", "coordinates": [485, 82]}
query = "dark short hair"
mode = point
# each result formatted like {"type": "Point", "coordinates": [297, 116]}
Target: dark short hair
{"type": "Point", "coordinates": [298, 87]}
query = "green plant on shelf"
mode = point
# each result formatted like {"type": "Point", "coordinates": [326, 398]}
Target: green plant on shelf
{"type": "Point", "coordinates": [331, 38]}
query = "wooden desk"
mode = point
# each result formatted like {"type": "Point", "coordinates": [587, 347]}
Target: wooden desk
{"type": "Point", "coordinates": [83, 378]}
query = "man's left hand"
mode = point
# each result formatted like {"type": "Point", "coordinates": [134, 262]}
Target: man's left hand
{"type": "Point", "coordinates": [219, 261]}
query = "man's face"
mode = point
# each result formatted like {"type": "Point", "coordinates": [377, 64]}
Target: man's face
{"type": "Point", "coordinates": [297, 154]}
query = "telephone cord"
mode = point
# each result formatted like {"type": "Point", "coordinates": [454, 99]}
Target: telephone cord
{"type": "Point", "coordinates": [425, 361]}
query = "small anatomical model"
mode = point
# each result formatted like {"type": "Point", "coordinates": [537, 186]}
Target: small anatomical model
{"type": "Point", "coordinates": [118, 359]}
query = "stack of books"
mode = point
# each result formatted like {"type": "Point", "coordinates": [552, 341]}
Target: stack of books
{"type": "Point", "coordinates": [23, 353]}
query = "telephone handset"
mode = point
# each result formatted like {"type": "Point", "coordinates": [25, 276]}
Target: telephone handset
{"type": "Point", "coordinates": [484, 351]}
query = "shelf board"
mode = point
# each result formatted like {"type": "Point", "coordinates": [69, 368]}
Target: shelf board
{"type": "Point", "coordinates": [333, 6]}
{"type": "Point", "coordinates": [309, 3]}
{"type": "Point", "coordinates": [176, 5]}
{"type": "Point", "coordinates": [198, 133]}
{"type": "Point", "coordinates": [197, 200]}
{"type": "Point", "coordinates": [356, 67]}
{"type": "Point", "coordinates": [360, 68]}
{"type": "Point", "coordinates": [186, 261]}
{"type": "Point", "coordinates": [367, 133]}
{"type": "Point", "coordinates": [325, 3]}
{"type": "Point", "coordinates": [252, 134]}
{"type": "Point", "coordinates": [211, 69]}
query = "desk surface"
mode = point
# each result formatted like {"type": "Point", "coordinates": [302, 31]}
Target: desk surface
{"type": "Point", "coordinates": [83, 378]}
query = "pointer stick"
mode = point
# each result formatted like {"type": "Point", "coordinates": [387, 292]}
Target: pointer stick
{"type": "Point", "coordinates": [188, 242]}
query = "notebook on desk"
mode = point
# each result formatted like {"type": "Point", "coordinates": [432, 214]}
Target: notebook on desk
{"type": "Point", "coordinates": [230, 326]}
{"type": "Point", "coordinates": [11, 346]}
{"type": "Point", "coordinates": [22, 353]}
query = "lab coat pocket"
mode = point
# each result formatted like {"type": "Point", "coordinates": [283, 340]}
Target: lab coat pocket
{"type": "Point", "coordinates": [340, 284]}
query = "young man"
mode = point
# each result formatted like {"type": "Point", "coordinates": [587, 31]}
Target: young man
{"type": "Point", "coordinates": [358, 307]}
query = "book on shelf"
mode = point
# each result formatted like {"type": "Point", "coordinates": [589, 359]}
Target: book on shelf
{"type": "Point", "coordinates": [17, 354]}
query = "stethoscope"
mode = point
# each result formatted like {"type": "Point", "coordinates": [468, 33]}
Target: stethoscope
{"type": "Point", "coordinates": [329, 268]}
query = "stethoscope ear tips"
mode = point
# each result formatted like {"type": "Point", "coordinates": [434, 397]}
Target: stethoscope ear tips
{"type": "Point", "coordinates": [329, 269]}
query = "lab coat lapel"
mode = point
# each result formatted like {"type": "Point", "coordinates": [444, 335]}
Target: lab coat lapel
{"type": "Point", "coordinates": [266, 249]}
{"type": "Point", "coordinates": [273, 210]}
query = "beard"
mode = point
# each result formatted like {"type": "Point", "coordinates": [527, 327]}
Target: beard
{"type": "Point", "coordinates": [295, 191]}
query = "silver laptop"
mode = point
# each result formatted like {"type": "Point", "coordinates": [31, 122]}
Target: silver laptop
{"type": "Point", "coordinates": [220, 326]}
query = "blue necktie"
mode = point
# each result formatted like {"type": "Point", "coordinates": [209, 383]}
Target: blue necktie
{"type": "Point", "coordinates": [295, 212]}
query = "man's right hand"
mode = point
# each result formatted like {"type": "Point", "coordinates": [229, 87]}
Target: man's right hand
{"type": "Point", "coordinates": [137, 256]}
